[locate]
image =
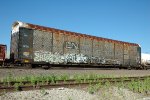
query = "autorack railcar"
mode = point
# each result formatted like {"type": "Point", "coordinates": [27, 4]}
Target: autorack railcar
{"type": "Point", "coordinates": [45, 46]}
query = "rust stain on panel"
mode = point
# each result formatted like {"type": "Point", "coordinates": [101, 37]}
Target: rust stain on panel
{"type": "Point", "coordinates": [42, 28]}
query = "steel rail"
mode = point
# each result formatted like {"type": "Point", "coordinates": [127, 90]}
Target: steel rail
{"type": "Point", "coordinates": [65, 83]}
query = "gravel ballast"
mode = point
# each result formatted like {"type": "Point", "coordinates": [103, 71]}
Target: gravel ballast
{"type": "Point", "coordinates": [113, 93]}
{"type": "Point", "coordinates": [53, 94]}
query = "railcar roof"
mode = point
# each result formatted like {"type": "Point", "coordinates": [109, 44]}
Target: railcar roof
{"type": "Point", "coordinates": [2, 45]}
{"type": "Point", "coordinates": [49, 29]}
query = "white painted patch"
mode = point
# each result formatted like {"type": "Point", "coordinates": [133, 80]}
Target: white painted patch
{"type": "Point", "coordinates": [16, 25]}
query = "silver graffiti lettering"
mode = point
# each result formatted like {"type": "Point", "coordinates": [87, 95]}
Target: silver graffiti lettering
{"type": "Point", "coordinates": [58, 58]}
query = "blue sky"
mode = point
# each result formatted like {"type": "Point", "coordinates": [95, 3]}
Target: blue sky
{"type": "Point", "coordinates": [125, 20]}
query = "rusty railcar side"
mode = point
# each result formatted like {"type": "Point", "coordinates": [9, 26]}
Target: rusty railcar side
{"type": "Point", "coordinates": [37, 44]}
{"type": "Point", "coordinates": [3, 49]}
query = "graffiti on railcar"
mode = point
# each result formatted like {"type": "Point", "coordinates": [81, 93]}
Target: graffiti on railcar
{"type": "Point", "coordinates": [47, 56]}
{"type": "Point", "coordinates": [59, 58]}
{"type": "Point", "coordinates": [70, 58]}
{"type": "Point", "coordinates": [71, 45]}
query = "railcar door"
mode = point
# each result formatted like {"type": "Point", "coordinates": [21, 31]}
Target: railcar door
{"type": "Point", "coordinates": [25, 45]}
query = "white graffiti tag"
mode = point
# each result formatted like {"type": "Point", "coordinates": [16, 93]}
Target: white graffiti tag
{"type": "Point", "coordinates": [47, 57]}
{"type": "Point", "coordinates": [58, 58]}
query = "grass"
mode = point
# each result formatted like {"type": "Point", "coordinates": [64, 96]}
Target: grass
{"type": "Point", "coordinates": [17, 86]}
{"type": "Point", "coordinates": [135, 85]}
{"type": "Point", "coordinates": [69, 98]}
{"type": "Point", "coordinates": [64, 77]}
{"type": "Point", "coordinates": [94, 88]}
{"type": "Point", "coordinates": [51, 78]}
{"type": "Point", "coordinates": [139, 86]}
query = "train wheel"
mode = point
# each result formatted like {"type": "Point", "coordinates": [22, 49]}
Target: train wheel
{"type": "Point", "coordinates": [45, 67]}
{"type": "Point", "coordinates": [129, 68]}
{"type": "Point", "coordinates": [33, 66]}
{"type": "Point", "coordinates": [27, 65]}
{"type": "Point", "coordinates": [145, 68]}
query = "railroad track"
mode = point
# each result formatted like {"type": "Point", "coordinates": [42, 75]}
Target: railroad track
{"type": "Point", "coordinates": [27, 85]}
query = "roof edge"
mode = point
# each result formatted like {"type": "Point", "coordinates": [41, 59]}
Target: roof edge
{"type": "Point", "coordinates": [18, 24]}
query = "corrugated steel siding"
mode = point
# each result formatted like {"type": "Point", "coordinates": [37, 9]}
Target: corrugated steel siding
{"type": "Point", "coordinates": [109, 50]}
{"type": "Point", "coordinates": [86, 46]}
{"type": "Point", "coordinates": [96, 58]}
{"type": "Point", "coordinates": [86, 49]}
{"type": "Point", "coordinates": [58, 43]}
{"type": "Point", "coordinates": [101, 49]}
{"type": "Point", "coordinates": [126, 54]}
{"type": "Point", "coordinates": [96, 50]}
{"type": "Point", "coordinates": [134, 56]}
{"type": "Point", "coordinates": [42, 46]}
{"type": "Point", "coordinates": [71, 44]}
{"type": "Point", "coordinates": [72, 48]}
{"type": "Point", "coordinates": [119, 53]}
{"type": "Point", "coordinates": [58, 47]}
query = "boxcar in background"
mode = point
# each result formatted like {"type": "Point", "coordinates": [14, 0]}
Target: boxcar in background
{"type": "Point", "coordinates": [34, 44]}
{"type": "Point", "coordinates": [2, 54]}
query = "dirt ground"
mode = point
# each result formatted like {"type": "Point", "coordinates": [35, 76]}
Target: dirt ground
{"type": "Point", "coordinates": [71, 71]}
